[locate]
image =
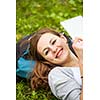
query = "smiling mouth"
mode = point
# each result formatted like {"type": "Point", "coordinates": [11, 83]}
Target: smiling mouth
{"type": "Point", "coordinates": [59, 53]}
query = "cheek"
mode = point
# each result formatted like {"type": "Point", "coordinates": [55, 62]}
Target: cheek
{"type": "Point", "coordinates": [50, 57]}
{"type": "Point", "coordinates": [61, 43]}
{"type": "Point", "coordinates": [58, 42]}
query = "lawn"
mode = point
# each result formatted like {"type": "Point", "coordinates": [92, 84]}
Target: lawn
{"type": "Point", "coordinates": [32, 15]}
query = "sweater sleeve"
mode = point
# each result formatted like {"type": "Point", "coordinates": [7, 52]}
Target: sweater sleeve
{"type": "Point", "coordinates": [63, 84]}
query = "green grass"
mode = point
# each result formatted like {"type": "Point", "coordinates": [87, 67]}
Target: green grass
{"type": "Point", "coordinates": [35, 14]}
{"type": "Point", "coordinates": [23, 92]}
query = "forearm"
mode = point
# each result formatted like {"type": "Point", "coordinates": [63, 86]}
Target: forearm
{"type": "Point", "coordinates": [81, 68]}
{"type": "Point", "coordinates": [81, 96]}
{"type": "Point", "coordinates": [81, 71]}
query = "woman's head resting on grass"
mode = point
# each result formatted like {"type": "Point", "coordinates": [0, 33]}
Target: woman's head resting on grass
{"type": "Point", "coordinates": [49, 49]}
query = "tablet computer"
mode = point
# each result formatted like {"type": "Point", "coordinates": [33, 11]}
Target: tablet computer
{"type": "Point", "coordinates": [74, 26]}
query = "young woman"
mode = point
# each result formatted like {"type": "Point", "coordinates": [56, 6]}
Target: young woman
{"type": "Point", "coordinates": [59, 64]}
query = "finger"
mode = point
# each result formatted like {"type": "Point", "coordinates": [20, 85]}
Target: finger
{"type": "Point", "coordinates": [77, 43]}
{"type": "Point", "coordinates": [78, 39]}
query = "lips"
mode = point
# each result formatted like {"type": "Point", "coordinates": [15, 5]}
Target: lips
{"type": "Point", "coordinates": [59, 52]}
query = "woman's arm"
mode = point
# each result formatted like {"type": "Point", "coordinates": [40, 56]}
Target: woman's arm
{"type": "Point", "coordinates": [81, 96]}
{"type": "Point", "coordinates": [78, 47]}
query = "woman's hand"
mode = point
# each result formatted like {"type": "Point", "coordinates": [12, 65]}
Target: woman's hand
{"type": "Point", "coordinates": [78, 48]}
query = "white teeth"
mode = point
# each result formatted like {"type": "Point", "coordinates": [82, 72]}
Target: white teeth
{"type": "Point", "coordinates": [59, 53]}
{"type": "Point", "coordinates": [56, 56]}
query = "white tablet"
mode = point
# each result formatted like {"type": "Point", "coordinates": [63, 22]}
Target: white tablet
{"type": "Point", "coordinates": [74, 26]}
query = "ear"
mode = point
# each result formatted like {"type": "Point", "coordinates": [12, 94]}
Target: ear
{"type": "Point", "coordinates": [63, 37]}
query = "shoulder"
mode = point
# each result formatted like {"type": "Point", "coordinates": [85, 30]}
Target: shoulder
{"type": "Point", "coordinates": [58, 75]}
{"type": "Point", "coordinates": [61, 81]}
{"type": "Point", "coordinates": [65, 72]}
{"type": "Point", "coordinates": [61, 71]}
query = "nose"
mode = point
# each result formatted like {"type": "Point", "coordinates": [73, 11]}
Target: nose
{"type": "Point", "coordinates": [53, 49]}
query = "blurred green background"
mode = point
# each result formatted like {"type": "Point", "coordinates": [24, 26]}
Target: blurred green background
{"type": "Point", "coordinates": [32, 15]}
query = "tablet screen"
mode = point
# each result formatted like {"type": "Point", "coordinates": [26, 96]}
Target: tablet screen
{"type": "Point", "coordinates": [73, 26]}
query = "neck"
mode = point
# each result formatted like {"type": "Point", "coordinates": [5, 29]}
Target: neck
{"type": "Point", "coordinates": [72, 61]}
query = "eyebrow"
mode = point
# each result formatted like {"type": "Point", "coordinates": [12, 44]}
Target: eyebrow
{"type": "Point", "coordinates": [49, 42]}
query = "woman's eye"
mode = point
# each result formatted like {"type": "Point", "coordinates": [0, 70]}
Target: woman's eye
{"type": "Point", "coordinates": [46, 52]}
{"type": "Point", "coordinates": [53, 42]}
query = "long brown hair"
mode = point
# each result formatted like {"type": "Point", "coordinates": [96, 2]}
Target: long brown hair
{"type": "Point", "coordinates": [39, 76]}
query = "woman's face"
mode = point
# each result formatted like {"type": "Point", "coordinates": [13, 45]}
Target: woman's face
{"type": "Point", "coordinates": [53, 48]}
